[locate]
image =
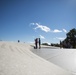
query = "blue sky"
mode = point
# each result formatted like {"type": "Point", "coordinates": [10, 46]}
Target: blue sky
{"type": "Point", "coordinates": [26, 20]}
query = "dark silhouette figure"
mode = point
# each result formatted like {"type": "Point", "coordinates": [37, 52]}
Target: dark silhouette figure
{"type": "Point", "coordinates": [18, 41]}
{"type": "Point", "coordinates": [39, 43]}
{"type": "Point", "coordinates": [36, 42]}
{"type": "Point", "coordinates": [60, 44]}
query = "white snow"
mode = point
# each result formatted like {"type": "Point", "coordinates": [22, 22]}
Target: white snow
{"type": "Point", "coordinates": [17, 59]}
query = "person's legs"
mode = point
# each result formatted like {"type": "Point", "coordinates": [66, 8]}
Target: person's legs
{"type": "Point", "coordinates": [39, 46]}
{"type": "Point", "coordinates": [36, 45]}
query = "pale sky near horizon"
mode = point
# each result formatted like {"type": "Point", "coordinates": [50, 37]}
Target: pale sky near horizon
{"type": "Point", "coordinates": [26, 20]}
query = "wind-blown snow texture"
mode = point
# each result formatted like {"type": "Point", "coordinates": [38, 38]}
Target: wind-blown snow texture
{"type": "Point", "coordinates": [17, 59]}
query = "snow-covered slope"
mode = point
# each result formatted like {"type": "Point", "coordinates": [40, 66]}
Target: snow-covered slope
{"type": "Point", "coordinates": [17, 59]}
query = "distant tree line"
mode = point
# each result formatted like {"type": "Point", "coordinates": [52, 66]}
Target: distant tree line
{"type": "Point", "coordinates": [51, 44]}
{"type": "Point", "coordinates": [45, 44]}
{"type": "Point", "coordinates": [55, 44]}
